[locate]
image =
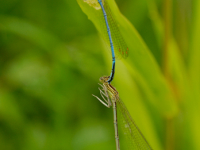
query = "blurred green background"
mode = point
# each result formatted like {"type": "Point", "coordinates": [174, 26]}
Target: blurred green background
{"type": "Point", "coordinates": [51, 57]}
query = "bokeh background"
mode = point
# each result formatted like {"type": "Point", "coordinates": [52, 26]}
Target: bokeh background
{"type": "Point", "coordinates": [51, 57]}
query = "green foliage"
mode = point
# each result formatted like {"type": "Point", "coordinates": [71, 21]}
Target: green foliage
{"type": "Point", "coordinates": [51, 58]}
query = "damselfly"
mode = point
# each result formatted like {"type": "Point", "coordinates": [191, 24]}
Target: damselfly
{"type": "Point", "coordinates": [112, 33]}
{"type": "Point", "coordinates": [111, 98]}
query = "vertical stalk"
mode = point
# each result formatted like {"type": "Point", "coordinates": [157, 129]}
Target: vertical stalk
{"type": "Point", "coordinates": [167, 37]}
{"type": "Point", "coordinates": [170, 134]}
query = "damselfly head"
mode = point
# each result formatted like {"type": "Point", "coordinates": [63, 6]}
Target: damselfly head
{"type": "Point", "coordinates": [104, 79]}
